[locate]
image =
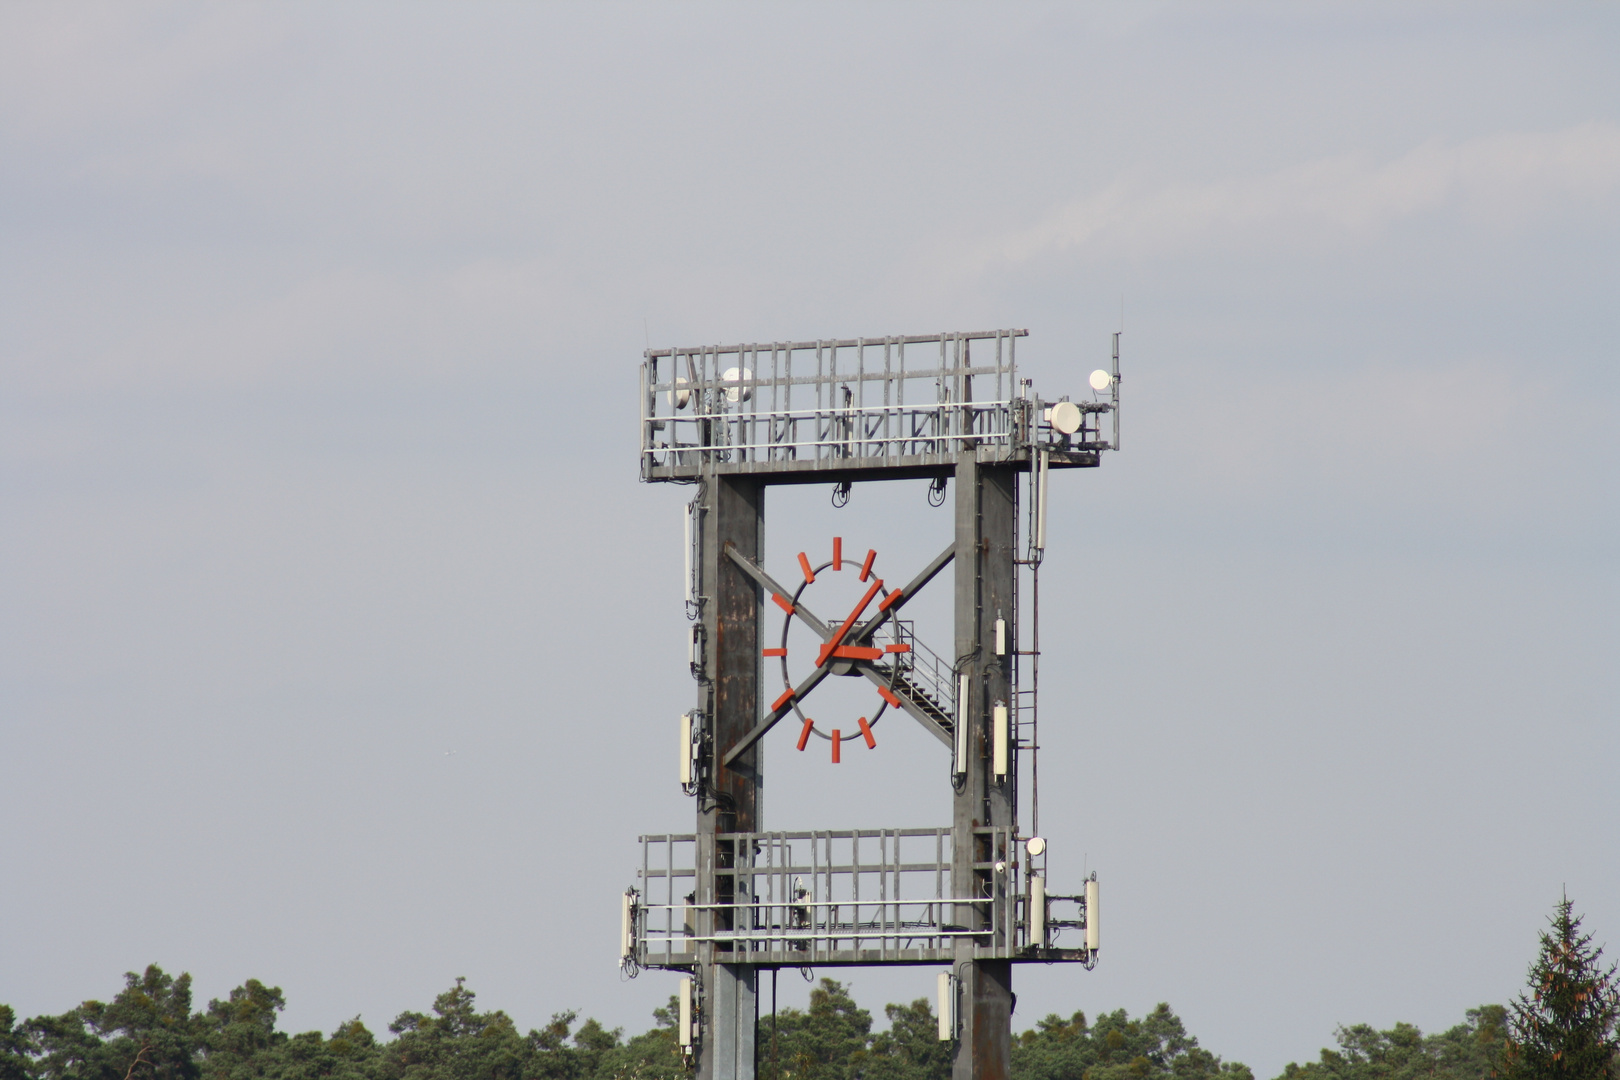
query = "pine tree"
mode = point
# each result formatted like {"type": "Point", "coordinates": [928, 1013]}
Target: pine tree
{"type": "Point", "coordinates": [1565, 1027]}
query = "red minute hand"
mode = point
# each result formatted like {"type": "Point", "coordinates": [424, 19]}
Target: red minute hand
{"type": "Point", "coordinates": [838, 638]}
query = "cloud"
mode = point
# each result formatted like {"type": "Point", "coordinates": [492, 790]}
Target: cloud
{"type": "Point", "coordinates": [1497, 181]}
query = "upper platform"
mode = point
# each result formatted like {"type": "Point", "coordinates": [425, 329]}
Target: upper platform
{"type": "Point", "coordinates": [886, 408]}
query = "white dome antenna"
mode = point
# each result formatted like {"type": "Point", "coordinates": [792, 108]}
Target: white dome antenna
{"type": "Point", "coordinates": [737, 393]}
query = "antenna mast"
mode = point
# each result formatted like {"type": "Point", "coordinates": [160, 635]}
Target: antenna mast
{"type": "Point", "coordinates": [732, 898]}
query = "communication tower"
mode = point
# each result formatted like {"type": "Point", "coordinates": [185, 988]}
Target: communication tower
{"type": "Point", "coordinates": [732, 898]}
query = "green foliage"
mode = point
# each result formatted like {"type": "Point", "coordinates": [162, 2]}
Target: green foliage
{"type": "Point", "coordinates": [460, 1043]}
{"type": "Point", "coordinates": [1564, 1028]}
{"type": "Point", "coordinates": [350, 1054]}
{"type": "Point", "coordinates": [826, 1042]}
{"type": "Point", "coordinates": [15, 1059]}
{"type": "Point", "coordinates": [910, 1049]}
{"type": "Point", "coordinates": [652, 1055]}
{"type": "Point", "coordinates": [239, 1035]}
{"type": "Point", "coordinates": [147, 1032]}
{"type": "Point", "coordinates": [1118, 1048]}
{"type": "Point", "coordinates": [1469, 1051]}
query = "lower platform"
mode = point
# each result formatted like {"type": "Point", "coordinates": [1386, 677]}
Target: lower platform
{"type": "Point", "coordinates": [847, 898]}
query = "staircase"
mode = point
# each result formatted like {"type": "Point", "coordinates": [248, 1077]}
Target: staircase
{"type": "Point", "coordinates": [924, 680]}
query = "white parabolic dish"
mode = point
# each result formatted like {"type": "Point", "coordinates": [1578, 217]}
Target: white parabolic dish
{"type": "Point", "coordinates": [1066, 417]}
{"type": "Point", "coordinates": [737, 393]}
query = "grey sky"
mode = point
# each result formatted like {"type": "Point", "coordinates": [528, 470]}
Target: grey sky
{"type": "Point", "coordinates": [318, 334]}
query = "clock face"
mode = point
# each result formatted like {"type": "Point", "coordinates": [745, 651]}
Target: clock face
{"type": "Point", "coordinates": [849, 646]}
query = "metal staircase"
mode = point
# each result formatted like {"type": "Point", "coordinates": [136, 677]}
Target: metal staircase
{"type": "Point", "coordinates": [923, 682]}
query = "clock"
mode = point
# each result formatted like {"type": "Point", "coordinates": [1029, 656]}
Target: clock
{"type": "Point", "coordinates": [915, 680]}
{"type": "Point", "coordinates": [846, 648]}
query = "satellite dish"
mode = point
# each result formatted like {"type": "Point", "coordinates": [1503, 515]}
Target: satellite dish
{"type": "Point", "coordinates": [679, 395]}
{"type": "Point", "coordinates": [1066, 417]}
{"type": "Point", "coordinates": [1035, 845]}
{"type": "Point", "coordinates": [1101, 380]}
{"type": "Point", "coordinates": [737, 393]}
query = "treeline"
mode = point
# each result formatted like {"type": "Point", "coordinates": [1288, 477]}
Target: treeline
{"type": "Point", "coordinates": [1563, 1027]}
{"type": "Point", "coordinates": [149, 1031]}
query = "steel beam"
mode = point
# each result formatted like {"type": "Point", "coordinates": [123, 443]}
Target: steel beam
{"type": "Point", "coordinates": [844, 343]}
{"type": "Point", "coordinates": [986, 520]}
{"type": "Point", "coordinates": [757, 572]}
{"type": "Point", "coordinates": [733, 513]}
{"type": "Point", "coordinates": [852, 470]}
{"type": "Point", "coordinates": [732, 1020]}
{"type": "Point", "coordinates": [750, 739]}
{"type": "Point", "coordinates": [907, 591]}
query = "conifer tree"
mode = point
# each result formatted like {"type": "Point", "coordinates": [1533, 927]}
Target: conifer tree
{"type": "Point", "coordinates": [1564, 1028]}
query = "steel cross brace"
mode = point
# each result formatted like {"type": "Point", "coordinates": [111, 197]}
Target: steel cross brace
{"type": "Point", "coordinates": [860, 633]}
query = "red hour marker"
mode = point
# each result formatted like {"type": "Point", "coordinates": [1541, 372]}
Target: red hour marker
{"type": "Point", "coordinates": [838, 738]}
{"type": "Point", "coordinates": [866, 733]}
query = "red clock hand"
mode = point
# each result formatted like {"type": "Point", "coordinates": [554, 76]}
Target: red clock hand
{"type": "Point", "coordinates": [838, 638]}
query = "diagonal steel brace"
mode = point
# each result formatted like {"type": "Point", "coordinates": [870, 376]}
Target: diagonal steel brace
{"type": "Point", "coordinates": [869, 627]}
{"type": "Point", "coordinates": [770, 585]}
{"type": "Point", "coordinates": [810, 682]}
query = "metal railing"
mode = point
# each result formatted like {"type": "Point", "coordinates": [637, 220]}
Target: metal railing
{"type": "Point", "coordinates": [829, 897]}
{"type": "Point", "coordinates": [841, 403]}
{"type": "Point", "coordinates": [926, 670]}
